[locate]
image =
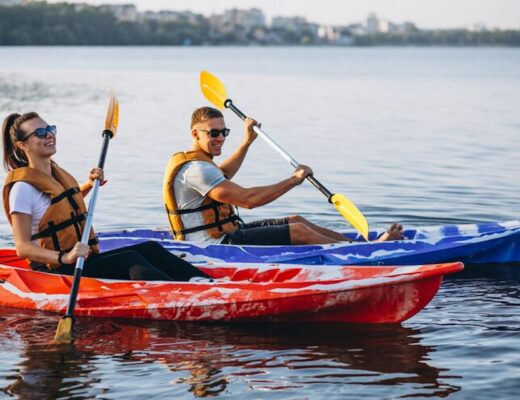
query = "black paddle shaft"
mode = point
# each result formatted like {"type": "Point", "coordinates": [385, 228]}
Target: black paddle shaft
{"type": "Point", "coordinates": [107, 135]}
{"type": "Point", "coordinates": [328, 194]}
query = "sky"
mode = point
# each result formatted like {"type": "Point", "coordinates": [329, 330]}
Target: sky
{"type": "Point", "coordinates": [424, 13]}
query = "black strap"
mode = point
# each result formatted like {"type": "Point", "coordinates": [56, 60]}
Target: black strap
{"type": "Point", "coordinates": [52, 229]}
{"type": "Point", "coordinates": [231, 219]}
{"type": "Point", "coordinates": [194, 210]}
{"type": "Point", "coordinates": [54, 236]}
{"type": "Point", "coordinates": [217, 219]}
{"type": "Point", "coordinates": [77, 227]}
{"type": "Point", "coordinates": [40, 267]}
{"type": "Point", "coordinates": [67, 193]}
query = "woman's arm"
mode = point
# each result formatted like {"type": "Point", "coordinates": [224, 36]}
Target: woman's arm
{"type": "Point", "coordinates": [24, 246]}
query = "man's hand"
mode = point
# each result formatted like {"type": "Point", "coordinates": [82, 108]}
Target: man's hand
{"type": "Point", "coordinates": [302, 172]}
{"type": "Point", "coordinates": [249, 134]}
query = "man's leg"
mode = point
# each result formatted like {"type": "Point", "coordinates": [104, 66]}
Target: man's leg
{"type": "Point", "coordinates": [271, 232]}
{"type": "Point", "coordinates": [395, 232]}
{"type": "Point", "coordinates": [332, 235]}
{"type": "Point", "coordinates": [302, 234]}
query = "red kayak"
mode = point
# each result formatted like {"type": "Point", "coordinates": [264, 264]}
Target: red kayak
{"type": "Point", "coordinates": [237, 292]}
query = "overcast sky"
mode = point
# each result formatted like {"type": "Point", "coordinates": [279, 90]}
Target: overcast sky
{"type": "Point", "coordinates": [425, 13]}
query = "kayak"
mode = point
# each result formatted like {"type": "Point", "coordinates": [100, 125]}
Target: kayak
{"type": "Point", "coordinates": [247, 292]}
{"type": "Point", "coordinates": [485, 243]}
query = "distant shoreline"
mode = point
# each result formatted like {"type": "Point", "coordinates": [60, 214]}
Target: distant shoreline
{"type": "Point", "coordinates": [63, 24]}
{"type": "Point", "coordinates": [255, 46]}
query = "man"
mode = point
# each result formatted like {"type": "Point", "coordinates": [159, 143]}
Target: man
{"type": "Point", "coordinates": [199, 195]}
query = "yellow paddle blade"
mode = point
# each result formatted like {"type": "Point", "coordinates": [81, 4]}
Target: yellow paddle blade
{"type": "Point", "coordinates": [351, 213]}
{"type": "Point", "coordinates": [112, 115]}
{"type": "Point", "coordinates": [213, 89]}
{"type": "Point", "coordinates": [64, 330]}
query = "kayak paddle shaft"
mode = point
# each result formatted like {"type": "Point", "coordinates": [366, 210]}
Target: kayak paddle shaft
{"type": "Point", "coordinates": [78, 270]}
{"type": "Point", "coordinates": [229, 104]}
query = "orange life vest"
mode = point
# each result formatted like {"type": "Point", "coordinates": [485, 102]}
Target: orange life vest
{"type": "Point", "coordinates": [62, 224]}
{"type": "Point", "coordinates": [219, 218]}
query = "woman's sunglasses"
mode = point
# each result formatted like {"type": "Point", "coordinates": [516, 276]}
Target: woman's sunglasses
{"type": "Point", "coordinates": [214, 133]}
{"type": "Point", "coordinates": [41, 133]}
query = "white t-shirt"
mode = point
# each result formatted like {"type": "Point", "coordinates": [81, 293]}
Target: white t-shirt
{"type": "Point", "coordinates": [191, 186]}
{"type": "Point", "coordinates": [24, 198]}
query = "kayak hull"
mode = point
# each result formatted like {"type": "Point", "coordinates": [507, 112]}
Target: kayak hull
{"type": "Point", "coordinates": [487, 243]}
{"type": "Point", "coordinates": [236, 293]}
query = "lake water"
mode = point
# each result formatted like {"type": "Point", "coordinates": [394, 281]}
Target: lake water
{"type": "Point", "coordinates": [416, 135]}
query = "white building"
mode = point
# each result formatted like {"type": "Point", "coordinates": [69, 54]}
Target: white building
{"type": "Point", "coordinates": [289, 23]}
{"type": "Point", "coordinates": [172, 16]}
{"type": "Point", "coordinates": [476, 27]}
{"type": "Point", "coordinates": [328, 33]}
{"type": "Point", "coordinates": [247, 19]}
{"type": "Point", "coordinates": [124, 12]}
{"type": "Point", "coordinates": [376, 25]}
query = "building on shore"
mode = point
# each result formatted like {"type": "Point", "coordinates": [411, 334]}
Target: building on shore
{"type": "Point", "coordinates": [122, 12]}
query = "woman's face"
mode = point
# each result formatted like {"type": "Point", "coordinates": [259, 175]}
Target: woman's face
{"type": "Point", "coordinates": [35, 145]}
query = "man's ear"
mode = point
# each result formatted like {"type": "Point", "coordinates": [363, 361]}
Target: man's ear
{"type": "Point", "coordinates": [195, 134]}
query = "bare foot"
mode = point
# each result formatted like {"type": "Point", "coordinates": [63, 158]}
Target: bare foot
{"type": "Point", "coordinates": [394, 233]}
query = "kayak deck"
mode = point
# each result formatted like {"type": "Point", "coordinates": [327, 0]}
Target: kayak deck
{"type": "Point", "coordinates": [486, 243]}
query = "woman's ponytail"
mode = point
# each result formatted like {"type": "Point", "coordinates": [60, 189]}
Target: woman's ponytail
{"type": "Point", "coordinates": [11, 133]}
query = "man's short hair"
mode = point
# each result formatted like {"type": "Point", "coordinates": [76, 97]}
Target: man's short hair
{"type": "Point", "coordinates": [202, 114]}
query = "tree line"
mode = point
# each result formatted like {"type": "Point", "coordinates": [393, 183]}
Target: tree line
{"type": "Point", "coordinates": [40, 23]}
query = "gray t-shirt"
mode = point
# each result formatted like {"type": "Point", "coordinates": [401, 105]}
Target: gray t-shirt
{"type": "Point", "coordinates": [191, 186]}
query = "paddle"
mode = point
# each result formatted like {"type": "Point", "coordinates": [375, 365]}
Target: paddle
{"type": "Point", "coordinates": [66, 324]}
{"type": "Point", "coordinates": [215, 91]}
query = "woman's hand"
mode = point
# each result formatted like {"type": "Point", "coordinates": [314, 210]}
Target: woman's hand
{"type": "Point", "coordinates": [79, 250]}
{"type": "Point", "coordinates": [97, 173]}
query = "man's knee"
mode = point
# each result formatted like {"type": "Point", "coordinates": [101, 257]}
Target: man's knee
{"type": "Point", "coordinates": [300, 233]}
{"type": "Point", "coordinates": [293, 219]}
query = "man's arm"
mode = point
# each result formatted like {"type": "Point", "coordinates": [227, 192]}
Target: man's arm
{"type": "Point", "coordinates": [229, 192]}
{"type": "Point", "coordinates": [233, 163]}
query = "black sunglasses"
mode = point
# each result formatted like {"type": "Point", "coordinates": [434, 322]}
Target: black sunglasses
{"type": "Point", "coordinates": [41, 133]}
{"type": "Point", "coordinates": [214, 133]}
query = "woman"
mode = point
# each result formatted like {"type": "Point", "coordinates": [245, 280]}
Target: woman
{"type": "Point", "coordinates": [45, 207]}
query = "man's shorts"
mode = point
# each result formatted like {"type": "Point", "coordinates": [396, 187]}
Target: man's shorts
{"type": "Point", "coordinates": [267, 232]}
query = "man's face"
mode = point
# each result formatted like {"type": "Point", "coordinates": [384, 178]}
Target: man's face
{"type": "Point", "coordinates": [204, 140]}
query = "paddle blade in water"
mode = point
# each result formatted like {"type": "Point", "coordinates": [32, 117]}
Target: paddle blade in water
{"type": "Point", "coordinates": [351, 213]}
{"type": "Point", "coordinates": [213, 89]}
{"type": "Point", "coordinates": [112, 115]}
{"type": "Point", "coordinates": [64, 330]}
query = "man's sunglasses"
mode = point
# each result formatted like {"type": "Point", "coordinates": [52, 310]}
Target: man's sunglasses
{"type": "Point", "coordinates": [214, 133]}
{"type": "Point", "coordinates": [41, 133]}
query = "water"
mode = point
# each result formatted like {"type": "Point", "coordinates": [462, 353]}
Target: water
{"type": "Point", "coordinates": [421, 136]}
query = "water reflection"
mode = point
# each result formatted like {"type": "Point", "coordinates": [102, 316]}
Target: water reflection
{"type": "Point", "coordinates": [207, 359]}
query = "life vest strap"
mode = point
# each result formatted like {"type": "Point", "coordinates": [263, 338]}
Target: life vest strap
{"type": "Point", "coordinates": [52, 229]}
{"type": "Point", "coordinates": [67, 193]}
{"type": "Point", "coordinates": [218, 224]}
{"type": "Point", "coordinates": [214, 204]}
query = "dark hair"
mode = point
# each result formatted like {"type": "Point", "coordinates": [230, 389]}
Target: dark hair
{"type": "Point", "coordinates": [203, 114]}
{"type": "Point", "coordinates": [11, 133]}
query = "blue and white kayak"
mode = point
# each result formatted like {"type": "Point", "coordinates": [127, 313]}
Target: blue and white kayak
{"type": "Point", "coordinates": [485, 243]}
